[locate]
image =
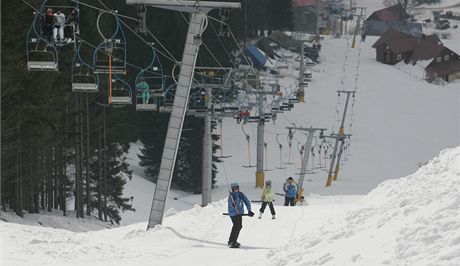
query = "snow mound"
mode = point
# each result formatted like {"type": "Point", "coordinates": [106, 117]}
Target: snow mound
{"type": "Point", "coordinates": [413, 220]}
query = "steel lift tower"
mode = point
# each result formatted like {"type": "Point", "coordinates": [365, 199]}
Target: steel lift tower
{"type": "Point", "coordinates": [198, 21]}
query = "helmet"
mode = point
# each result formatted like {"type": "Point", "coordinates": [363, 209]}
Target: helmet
{"type": "Point", "coordinates": [234, 185]}
{"type": "Point", "coordinates": [268, 182]}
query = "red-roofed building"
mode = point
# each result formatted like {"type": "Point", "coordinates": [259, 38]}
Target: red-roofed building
{"type": "Point", "coordinates": [391, 14]}
{"type": "Point", "coordinates": [394, 46]}
{"type": "Point", "coordinates": [446, 65]}
{"type": "Point", "coordinates": [391, 17]}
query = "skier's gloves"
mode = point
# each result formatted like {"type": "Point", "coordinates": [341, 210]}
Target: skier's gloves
{"type": "Point", "coordinates": [250, 213]}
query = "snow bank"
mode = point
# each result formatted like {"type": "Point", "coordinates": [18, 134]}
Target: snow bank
{"type": "Point", "coordinates": [55, 219]}
{"type": "Point", "coordinates": [413, 220]}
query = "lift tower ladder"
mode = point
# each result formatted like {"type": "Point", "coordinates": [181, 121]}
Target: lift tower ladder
{"type": "Point", "coordinates": [198, 11]}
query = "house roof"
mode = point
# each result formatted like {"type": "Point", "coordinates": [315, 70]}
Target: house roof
{"type": "Point", "coordinates": [392, 13]}
{"type": "Point", "coordinates": [428, 47]}
{"type": "Point", "coordinates": [444, 68]}
{"type": "Point", "coordinates": [390, 34]}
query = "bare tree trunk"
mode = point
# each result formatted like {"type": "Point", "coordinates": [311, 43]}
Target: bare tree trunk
{"type": "Point", "coordinates": [80, 203]}
{"type": "Point", "coordinates": [99, 192]}
{"type": "Point", "coordinates": [49, 183]}
{"type": "Point", "coordinates": [77, 161]}
{"type": "Point", "coordinates": [64, 165]}
{"type": "Point", "coordinates": [105, 168]}
{"type": "Point", "coordinates": [88, 190]}
{"type": "Point", "coordinates": [17, 201]}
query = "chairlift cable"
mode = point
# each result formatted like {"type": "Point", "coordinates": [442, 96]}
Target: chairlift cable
{"type": "Point", "coordinates": [25, 2]}
{"type": "Point", "coordinates": [131, 18]}
{"type": "Point", "coordinates": [220, 41]}
{"type": "Point", "coordinates": [204, 44]}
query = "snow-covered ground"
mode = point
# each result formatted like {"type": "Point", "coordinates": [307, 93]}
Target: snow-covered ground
{"type": "Point", "coordinates": [408, 221]}
{"type": "Point", "coordinates": [399, 122]}
{"type": "Point", "coordinates": [55, 219]}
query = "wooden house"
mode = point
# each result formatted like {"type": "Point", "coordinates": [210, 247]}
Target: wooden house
{"type": "Point", "coordinates": [446, 65]}
{"type": "Point", "coordinates": [391, 17]}
{"type": "Point", "coordinates": [394, 46]}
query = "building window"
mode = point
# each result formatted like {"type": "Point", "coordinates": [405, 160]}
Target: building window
{"type": "Point", "coordinates": [438, 59]}
{"type": "Point", "coordinates": [398, 57]}
{"type": "Point", "coordinates": [446, 57]}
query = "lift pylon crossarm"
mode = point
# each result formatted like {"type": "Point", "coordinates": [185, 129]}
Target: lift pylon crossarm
{"type": "Point", "coordinates": [185, 6]}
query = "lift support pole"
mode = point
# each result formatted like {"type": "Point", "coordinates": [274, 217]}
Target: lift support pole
{"type": "Point", "coordinates": [307, 147]}
{"type": "Point", "coordinates": [198, 11]}
{"type": "Point", "coordinates": [338, 137]}
{"type": "Point", "coordinates": [302, 83]}
{"type": "Point", "coordinates": [206, 186]}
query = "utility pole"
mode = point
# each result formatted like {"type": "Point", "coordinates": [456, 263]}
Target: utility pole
{"type": "Point", "coordinates": [338, 137]}
{"type": "Point", "coordinates": [197, 26]}
{"type": "Point", "coordinates": [358, 24]}
{"type": "Point", "coordinates": [307, 147]}
{"type": "Point", "coordinates": [206, 186]}
{"type": "Point", "coordinates": [302, 83]}
{"type": "Point", "coordinates": [260, 174]}
{"type": "Point", "coordinates": [317, 21]}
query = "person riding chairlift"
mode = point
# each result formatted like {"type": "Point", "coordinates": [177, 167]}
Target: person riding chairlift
{"type": "Point", "coordinates": [72, 25]}
{"type": "Point", "coordinates": [58, 26]}
{"type": "Point", "coordinates": [47, 24]}
{"type": "Point", "coordinates": [144, 88]}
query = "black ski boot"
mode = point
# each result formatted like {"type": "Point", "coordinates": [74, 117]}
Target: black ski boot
{"type": "Point", "coordinates": [234, 245]}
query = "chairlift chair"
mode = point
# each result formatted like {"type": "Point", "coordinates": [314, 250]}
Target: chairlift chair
{"type": "Point", "coordinates": [41, 54]}
{"type": "Point", "coordinates": [117, 58]}
{"type": "Point", "coordinates": [84, 83]}
{"type": "Point", "coordinates": [109, 57]}
{"type": "Point", "coordinates": [121, 93]}
{"type": "Point", "coordinates": [42, 60]}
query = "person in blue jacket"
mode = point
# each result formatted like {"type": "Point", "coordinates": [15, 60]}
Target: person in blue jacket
{"type": "Point", "coordinates": [236, 199]}
{"type": "Point", "coordinates": [290, 190]}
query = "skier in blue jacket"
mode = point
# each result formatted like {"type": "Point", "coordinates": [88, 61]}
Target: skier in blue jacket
{"type": "Point", "coordinates": [290, 190]}
{"type": "Point", "coordinates": [236, 199]}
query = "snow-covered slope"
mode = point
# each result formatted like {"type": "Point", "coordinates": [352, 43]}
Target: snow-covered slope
{"type": "Point", "coordinates": [414, 220]}
{"type": "Point", "coordinates": [399, 122]}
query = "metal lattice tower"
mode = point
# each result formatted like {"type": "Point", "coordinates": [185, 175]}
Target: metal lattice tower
{"type": "Point", "coordinates": [197, 25]}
